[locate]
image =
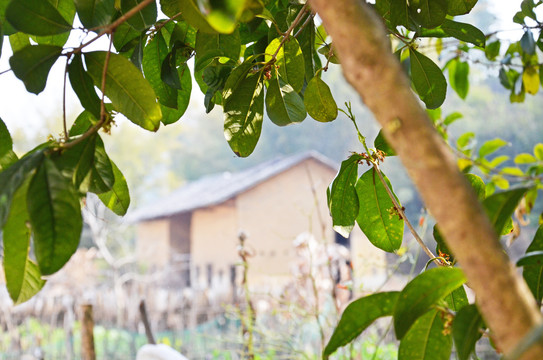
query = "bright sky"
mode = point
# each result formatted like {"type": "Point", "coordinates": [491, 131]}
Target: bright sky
{"type": "Point", "coordinates": [20, 109]}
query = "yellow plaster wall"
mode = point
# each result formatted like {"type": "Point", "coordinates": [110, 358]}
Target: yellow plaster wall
{"type": "Point", "coordinates": [275, 212]}
{"type": "Point", "coordinates": [214, 240]}
{"type": "Point", "coordinates": [153, 247]}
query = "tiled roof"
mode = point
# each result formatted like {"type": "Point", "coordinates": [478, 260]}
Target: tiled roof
{"type": "Point", "coordinates": [218, 188]}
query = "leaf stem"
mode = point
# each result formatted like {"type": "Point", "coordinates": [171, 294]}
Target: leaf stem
{"type": "Point", "coordinates": [103, 113]}
{"type": "Point", "coordinates": [289, 30]}
{"type": "Point", "coordinates": [162, 24]}
{"type": "Point", "coordinates": [311, 16]}
{"type": "Point", "coordinates": [402, 214]}
{"type": "Point", "coordinates": [64, 126]}
{"type": "Point", "coordinates": [5, 71]}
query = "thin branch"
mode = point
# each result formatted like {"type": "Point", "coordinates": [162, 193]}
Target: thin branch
{"type": "Point", "coordinates": [103, 113]}
{"type": "Point", "coordinates": [402, 214]}
{"type": "Point", "coordinates": [104, 77]}
{"type": "Point", "coordinates": [311, 16]}
{"type": "Point", "coordinates": [65, 127]}
{"type": "Point", "coordinates": [5, 71]}
{"type": "Point", "coordinates": [290, 29]}
{"type": "Point", "coordinates": [162, 24]}
{"type": "Point", "coordinates": [375, 164]}
{"type": "Point", "coordinates": [111, 28]}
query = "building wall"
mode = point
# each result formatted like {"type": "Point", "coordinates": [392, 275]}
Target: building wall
{"type": "Point", "coordinates": [272, 215]}
{"type": "Point", "coordinates": [275, 212]}
{"type": "Point", "coordinates": [214, 241]}
{"type": "Point", "coordinates": [153, 245]}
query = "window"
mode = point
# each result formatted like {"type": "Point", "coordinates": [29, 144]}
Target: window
{"type": "Point", "coordinates": [345, 241]}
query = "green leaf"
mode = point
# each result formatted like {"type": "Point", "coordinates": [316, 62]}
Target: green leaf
{"type": "Point", "coordinates": [13, 177]}
{"type": "Point", "coordinates": [428, 80]}
{"type": "Point", "coordinates": [464, 139]}
{"type": "Point", "coordinates": [19, 41]}
{"type": "Point", "coordinates": [243, 114]}
{"type": "Point", "coordinates": [457, 299]}
{"type": "Point", "coordinates": [319, 102]}
{"type": "Point", "coordinates": [101, 177]}
{"type": "Point", "coordinates": [533, 274]}
{"type": "Point", "coordinates": [458, 77]}
{"type": "Point", "coordinates": [421, 293]}
{"type": "Point", "coordinates": [525, 158]}
{"type": "Point", "coordinates": [153, 56]}
{"type": "Point", "coordinates": [118, 198]}
{"type": "Point", "coordinates": [464, 32]}
{"type": "Point", "coordinates": [95, 13]}
{"type": "Point", "coordinates": [137, 54]}
{"type": "Point", "coordinates": [223, 15]}
{"type": "Point", "coordinates": [425, 340]}
{"type": "Point", "coordinates": [306, 39]}
{"type": "Point", "coordinates": [7, 160]}
{"type": "Point", "coordinates": [144, 18]}
{"type": "Point", "coordinates": [83, 87]}
{"type": "Point", "coordinates": [478, 185]}
{"type": "Point", "coordinates": [452, 117]}
{"type": "Point", "coordinates": [377, 216]}
{"type": "Point", "coordinates": [55, 217]}
{"type": "Point", "coordinates": [36, 17]}
{"type": "Point", "coordinates": [538, 151]}
{"type": "Point", "coordinates": [358, 316]}
{"type": "Point", "coordinates": [23, 278]}
{"type": "Point", "coordinates": [527, 42]}
{"type": "Point", "coordinates": [429, 13]}
{"type": "Point", "coordinates": [290, 61]}
{"type": "Point", "coordinates": [211, 46]}
{"type": "Point", "coordinates": [491, 146]}
{"type": "Point", "coordinates": [531, 258]}
{"type": "Point", "coordinates": [190, 11]}
{"type": "Point", "coordinates": [514, 171]}
{"type": "Point", "coordinates": [126, 38]}
{"type": "Point", "coordinates": [492, 50]}
{"type": "Point", "coordinates": [283, 105]}
{"type": "Point", "coordinates": [6, 144]}
{"type": "Point", "coordinates": [236, 77]}
{"type": "Point", "coordinates": [381, 143]}
{"type": "Point", "coordinates": [441, 246]}
{"type": "Point", "coordinates": [32, 65]}
{"type": "Point", "coordinates": [466, 330]}
{"type": "Point", "coordinates": [6, 27]}
{"type": "Point", "coordinates": [343, 200]}
{"type": "Point", "coordinates": [66, 9]}
{"type": "Point", "coordinates": [129, 92]}
{"type": "Point", "coordinates": [169, 115]}
{"type": "Point", "coordinates": [168, 71]}
{"type": "Point", "coordinates": [501, 206]}
{"type": "Point", "coordinates": [399, 13]}
{"type": "Point", "coordinates": [460, 7]}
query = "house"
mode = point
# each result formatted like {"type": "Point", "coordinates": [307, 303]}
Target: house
{"type": "Point", "coordinates": [271, 204]}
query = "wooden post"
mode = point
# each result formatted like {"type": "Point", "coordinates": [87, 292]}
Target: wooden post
{"type": "Point", "coordinates": [146, 323]}
{"type": "Point", "coordinates": [87, 333]}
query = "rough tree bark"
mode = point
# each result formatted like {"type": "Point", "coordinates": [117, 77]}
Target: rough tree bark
{"type": "Point", "coordinates": [502, 296]}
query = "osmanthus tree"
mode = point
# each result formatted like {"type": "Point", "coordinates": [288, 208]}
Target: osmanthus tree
{"type": "Point", "coordinates": [256, 56]}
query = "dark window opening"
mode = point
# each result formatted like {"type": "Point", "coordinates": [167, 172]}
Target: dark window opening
{"type": "Point", "coordinates": [345, 241]}
{"type": "Point", "coordinates": [209, 275]}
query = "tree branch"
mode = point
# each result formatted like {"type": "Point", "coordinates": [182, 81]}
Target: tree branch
{"type": "Point", "coordinates": [368, 64]}
{"type": "Point", "coordinates": [114, 25]}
